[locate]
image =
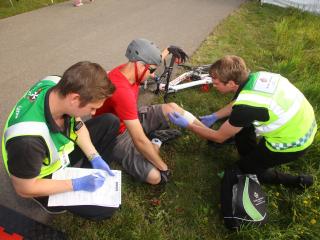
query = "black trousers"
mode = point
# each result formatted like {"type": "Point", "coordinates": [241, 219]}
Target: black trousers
{"type": "Point", "coordinates": [103, 131]}
{"type": "Point", "coordinates": [257, 159]}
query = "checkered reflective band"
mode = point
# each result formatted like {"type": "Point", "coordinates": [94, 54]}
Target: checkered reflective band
{"type": "Point", "coordinates": [300, 142]}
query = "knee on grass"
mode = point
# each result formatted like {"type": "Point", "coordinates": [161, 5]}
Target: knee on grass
{"type": "Point", "coordinates": [154, 177]}
{"type": "Point", "coordinates": [171, 107]}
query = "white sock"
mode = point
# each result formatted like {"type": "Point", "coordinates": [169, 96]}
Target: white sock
{"type": "Point", "coordinates": [156, 141]}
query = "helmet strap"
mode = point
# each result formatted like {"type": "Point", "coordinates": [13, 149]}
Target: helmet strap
{"type": "Point", "coordinates": [136, 72]}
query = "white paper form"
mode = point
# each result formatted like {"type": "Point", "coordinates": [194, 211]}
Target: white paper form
{"type": "Point", "coordinates": [109, 195]}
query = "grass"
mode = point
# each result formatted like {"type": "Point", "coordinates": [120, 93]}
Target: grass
{"type": "Point", "coordinates": [21, 6]}
{"type": "Point", "coordinates": [269, 38]}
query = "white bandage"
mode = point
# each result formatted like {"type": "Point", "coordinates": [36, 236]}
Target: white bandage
{"type": "Point", "coordinates": [187, 115]}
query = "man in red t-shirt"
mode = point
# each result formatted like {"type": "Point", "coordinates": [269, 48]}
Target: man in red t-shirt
{"type": "Point", "coordinates": [134, 151]}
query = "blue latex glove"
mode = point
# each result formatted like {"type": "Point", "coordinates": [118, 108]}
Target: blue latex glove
{"type": "Point", "coordinates": [88, 183]}
{"type": "Point", "coordinates": [209, 120]}
{"type": "Point", "coordinates": [98, 163]}
{"type": "Point", "coordinates": [178, 119]}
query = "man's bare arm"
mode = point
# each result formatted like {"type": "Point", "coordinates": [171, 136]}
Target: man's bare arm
{"type": "Point", "coordinates": [35, 187]}
{"type": "Point", "coordinates": [84, 141]}
{"type": "Point", "coordinates": [143, 144]}
{"type": "Point", "coordinates": [225, 132]}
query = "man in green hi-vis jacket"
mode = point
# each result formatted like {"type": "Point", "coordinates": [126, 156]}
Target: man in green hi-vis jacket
{"type": "Point", "coordinates": [265, 105]}
{"type": "Point", "coordinates": [45, 133]}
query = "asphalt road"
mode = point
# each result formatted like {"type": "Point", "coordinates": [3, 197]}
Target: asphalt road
{"type": "Point", "coordinates": [49, 40]}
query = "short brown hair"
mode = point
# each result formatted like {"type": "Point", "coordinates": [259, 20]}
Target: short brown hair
{"type": "Point", "coordinates": [229, 68]}
{"type": "Point", "coordinates": [87, 79]}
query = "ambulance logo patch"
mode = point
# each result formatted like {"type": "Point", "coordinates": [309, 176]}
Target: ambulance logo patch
{"type": "Point", "coordinates": [33, 96]}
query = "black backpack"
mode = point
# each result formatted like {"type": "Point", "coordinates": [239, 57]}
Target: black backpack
{"type": "Point", "coordinates": [242, 199]}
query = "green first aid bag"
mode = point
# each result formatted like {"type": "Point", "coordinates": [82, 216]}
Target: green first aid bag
{"type": "Point", "coordinates": [242, 199]}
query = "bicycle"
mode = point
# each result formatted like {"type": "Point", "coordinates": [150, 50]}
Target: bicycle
{"type": "Point", "coordinates": [194, 77]}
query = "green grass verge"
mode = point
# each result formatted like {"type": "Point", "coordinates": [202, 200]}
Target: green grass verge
{"type": "Point", "coordinates": [269, 38]}
{"type": "Point", "coordinates": [21, 6]}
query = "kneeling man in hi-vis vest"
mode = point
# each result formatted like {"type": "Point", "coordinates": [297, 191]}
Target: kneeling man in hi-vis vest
{"type": "Point", "coordinates": [45, 133]}
{"type": "Point", "coordinates": [265, 105]}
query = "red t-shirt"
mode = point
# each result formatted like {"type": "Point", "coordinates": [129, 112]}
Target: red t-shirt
{"type": "Point", "coordinates": [123, 102]}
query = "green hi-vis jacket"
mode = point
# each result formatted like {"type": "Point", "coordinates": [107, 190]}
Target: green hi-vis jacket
{"type": "Point", "coordinates": [28, 119]}
{"type": "Point", "coordinates": [292, 125]}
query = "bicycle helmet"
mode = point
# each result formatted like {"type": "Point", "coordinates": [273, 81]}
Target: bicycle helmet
{"type": "Point", "coordinates": [145, 51]}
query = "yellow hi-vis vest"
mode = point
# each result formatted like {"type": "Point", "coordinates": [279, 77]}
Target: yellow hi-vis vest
{"type": "Point", "coordinates": [292, 125]}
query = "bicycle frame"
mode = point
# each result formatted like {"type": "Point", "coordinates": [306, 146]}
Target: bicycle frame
{"type": "Point", "coordinates": [197, 76]}
{"type": "Point", "coordinates": [174, 85]}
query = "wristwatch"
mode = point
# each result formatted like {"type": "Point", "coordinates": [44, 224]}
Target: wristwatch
{"type": "Point", "coordinates": [78, 125]}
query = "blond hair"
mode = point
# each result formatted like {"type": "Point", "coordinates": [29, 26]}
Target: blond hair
{"type": "Point", "coordinates": [229, 68]}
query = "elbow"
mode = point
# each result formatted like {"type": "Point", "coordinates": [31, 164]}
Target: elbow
{"type": "Point", "coordinates": [216, 139]}
{"type": "Point", "coordinates": [23, 193]}
{"type": "Point", "coordinates": [219, 140]}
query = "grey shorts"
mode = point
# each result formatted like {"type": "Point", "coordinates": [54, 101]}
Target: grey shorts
{"type": "Point", "coordinates": [125, 153]}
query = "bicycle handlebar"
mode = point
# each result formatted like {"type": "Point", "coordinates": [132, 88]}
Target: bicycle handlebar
{"type": "Point", "coordinates": [173, 58]}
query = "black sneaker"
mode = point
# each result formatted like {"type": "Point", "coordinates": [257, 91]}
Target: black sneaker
{"type": "Point", "coordinates": [305, 181]}
{"type": "Point", "coordinates": [165, 135]}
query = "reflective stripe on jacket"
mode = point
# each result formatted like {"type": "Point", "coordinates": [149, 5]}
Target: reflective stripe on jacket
{"type": "Point", "coordinates": [28, 119]}
{"type": "Point", "coordinates": [292, 124]}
